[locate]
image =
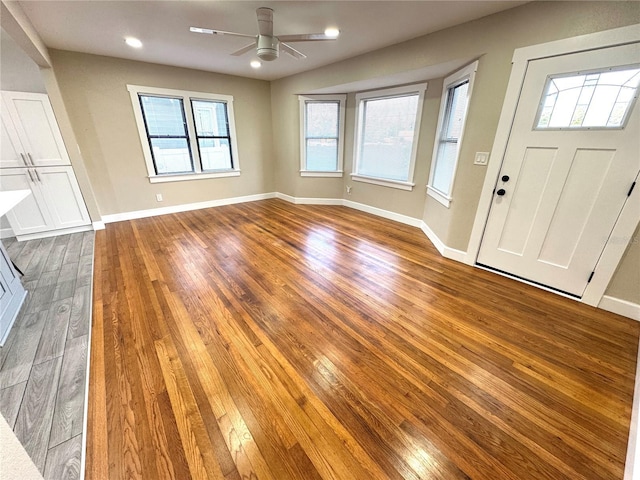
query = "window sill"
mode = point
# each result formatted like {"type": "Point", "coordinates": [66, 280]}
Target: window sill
{"type": "Point", "coordinates": [443, 199]}
{"type": "Point", "coordinates": [193, 176]}
{"type": "Point", "coordinates": [383, 182]}
{"type": "Point", "coordinates": [313, 173]}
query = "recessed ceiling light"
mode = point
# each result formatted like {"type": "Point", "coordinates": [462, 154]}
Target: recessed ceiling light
{"type": "Point", "coordinates": [332, 32]}
{"type": "Point", "coordinates": [256, 64]}
{"type": "Point", "coordinates": [133, 42]}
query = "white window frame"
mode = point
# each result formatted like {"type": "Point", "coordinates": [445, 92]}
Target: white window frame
{"type": "Point", "coordinates": [342, 101]}
{"type": "Point", "coordinates": [467, 73]}
{"type": "Point", "coordinates": [187, 97]}
{"type": "Point", "coordinates": [418, 88]}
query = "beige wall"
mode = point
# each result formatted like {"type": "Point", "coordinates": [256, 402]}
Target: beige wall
{"type": "Point", "coordinates": [625, 283]}
{"type": "Point", "coordinates": [493, 40]}
{"type": "Point", "coordinates": [94, 90]}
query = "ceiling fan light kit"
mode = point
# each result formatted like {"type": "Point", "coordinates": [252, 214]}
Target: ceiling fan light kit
{"type": "Point", "coordinates": [266, 44]}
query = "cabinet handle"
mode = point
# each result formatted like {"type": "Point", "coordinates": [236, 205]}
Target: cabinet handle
{"type": "Point", "coordinates": [31, 175]}
{"type": "Point", "coordinates": [31, 159]}
{"type": "Point", "coordinates": [24, 159]}
{"type": "Point", "coordinates": [38, 175]}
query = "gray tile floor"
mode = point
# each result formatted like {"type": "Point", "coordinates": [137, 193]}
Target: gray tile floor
{"type": "Point", "coordinates": [43, 364]}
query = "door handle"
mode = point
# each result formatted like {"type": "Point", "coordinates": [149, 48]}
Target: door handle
{"type": "Point", "coordinates": [38, 176]}
{"type": "Point", "coordinates": [505, 178]}
{"type": "Point", "coordinates": [501, 192]}
{"type": "Point", "coordinates": [24, 159]}
{"type": "Point", "coordinates": [31, 176]}
{"type": "Point", "coordinates": [31, 159]}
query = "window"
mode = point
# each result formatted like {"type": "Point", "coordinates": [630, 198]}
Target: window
{"type": "Point", "coordinates": [600, 99]}
{"type": "Point", "coordinates": [453, 113]}
{"type": "Point", "coordinates": [321, 135]}
{"type": "Point", "coordinates": [387, 126]}
{"type": "Point", "coordinates": [185, 135]}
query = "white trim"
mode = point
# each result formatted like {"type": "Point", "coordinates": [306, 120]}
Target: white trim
{"type": "Point", "coordinates": [398, 217]}
{"type": "Point", "coordinates": [342, 104]}
{"type": "Point", "coordinates": [633, 447]}
{"type": "Point", "coordinates": [99, 225]}
{"type": "Point", "coordinates": [85, 413]}
{"type": "Point", "coordinates": [192, 176]}
{"type": "Point", "coordinates": [311, 173]}
{"type": "Point", "coordinates": [120, 217]}
{"type": "Point", "coordinates": [630, 215]}
{"type": "Point", "coordinates": [452, 81]}
{"type": "Point", "coordinates": [383, 182]}
{"type": "Point", "coordinates": [443, 199]}
{"type": "Point", "coordinates": [308, 201]}
{"type": "Point", "coordinates": [54, 233]}
{"type": "Point", "coordinates": [418, 88]}
{"type": "Point", "coordinates": [446, 252]}
{"type": "Point", "coordinates": [187, 96]}
{"type": "Point", "coordinates": [6, 232]}
{"type": "Point", "coordinates": [621, 307]}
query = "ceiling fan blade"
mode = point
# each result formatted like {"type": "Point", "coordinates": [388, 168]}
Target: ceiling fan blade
{"type": "Point", "coordinates": [244, 50]}
{"type": "Point", "coordinates": [305, 37]}
{"type": "Point", "coordinates": [210, 31]}
{"type": "Point", "coordinates": [265, 21]}
{"type": "Point", "coordinates": [292, 51]}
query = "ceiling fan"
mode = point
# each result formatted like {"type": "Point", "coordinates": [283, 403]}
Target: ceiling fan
{"type": "Point", "coordinates": [267, 45]}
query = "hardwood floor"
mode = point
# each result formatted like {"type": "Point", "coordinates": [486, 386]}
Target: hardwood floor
{"type": "Point", "coordinates": [272, 341]}
{"type": "Point", "coordinates": [43, 364]}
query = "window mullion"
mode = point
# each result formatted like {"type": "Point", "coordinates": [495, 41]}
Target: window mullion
{"type": "Point", "coordinates": [193, 135]}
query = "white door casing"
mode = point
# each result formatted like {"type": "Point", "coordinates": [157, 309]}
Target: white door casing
{"type": "Point", "coordinates": [565, 188]}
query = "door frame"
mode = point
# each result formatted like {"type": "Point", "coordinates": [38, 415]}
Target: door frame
{"type": "Point", "coordinates": [629, 217]}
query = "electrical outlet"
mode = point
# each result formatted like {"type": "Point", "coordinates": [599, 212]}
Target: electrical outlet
{"type": "Point", "coordinates": [158, 197]}
{"type": "Point", "coordinates": [482, 158]}
{"type": "Point", "coordinates": [348, 189]}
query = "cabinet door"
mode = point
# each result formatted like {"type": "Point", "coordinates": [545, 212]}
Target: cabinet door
{"type": "Point", "coordinates": [31, 214]}
{"type": "Point", "coordinates": [11, 150]}
{"type": "Point", "coordinates": [37, 127]}
{"type": "Point", "coordinates": [62, 196]}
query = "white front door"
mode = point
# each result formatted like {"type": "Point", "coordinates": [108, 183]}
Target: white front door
{"type": "Point", "coordinates": [572, 157]}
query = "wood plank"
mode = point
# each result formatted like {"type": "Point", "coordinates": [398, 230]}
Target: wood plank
{"type": "Point", "coordinates": [10, 401]}
{"type": "Point", "coordinates": [270, 340]}
{"type": "Point", "coordinates": [69, 410]}
{"type": "Point", "coordinates": [54, 336]}
{"type": "Point", "coordinates": [33, 424]}
{"type": "Point", "coordinates": [63, 461]}
{"type": "Point", "coordinates": [17, 365]}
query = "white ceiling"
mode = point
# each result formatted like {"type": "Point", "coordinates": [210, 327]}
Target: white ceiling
{"type": "Point", "coordinates": [99, 27]}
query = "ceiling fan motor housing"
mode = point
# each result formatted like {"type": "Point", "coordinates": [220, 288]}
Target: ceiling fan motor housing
{"type": "Point", "coordinates": [268, 47]}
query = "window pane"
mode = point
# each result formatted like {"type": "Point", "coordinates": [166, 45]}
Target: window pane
{"type": "Point", "coordinates": [322, 154]}
{"type": "Point", "coordinates": [456, 108]}
{"type": "Point", "coordinates": [322, 119]}
{"type": "Point", "coordinates": [596, 100]}
{"type": "Point", "coordinates": [387, 137]}
{"type": "Point", "coordinates": [443, 171]}
{"type": "Point", "coordinates": [215, 153]}
{"type": "Point", "coordinates": [171, 155]}
{"type": "Point", "coordinates": [210, 118]}
{"type": "Point", "coordinates": [163, 116]}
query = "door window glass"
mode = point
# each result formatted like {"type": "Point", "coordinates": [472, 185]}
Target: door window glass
{"type": "Point", "coordinates": [600, 99]}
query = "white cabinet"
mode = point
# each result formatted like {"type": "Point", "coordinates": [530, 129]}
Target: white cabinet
{"type": "Point", "coordinates": [33, 157]}
{"type": "Point", "coordinates": [30, 133]}
{"type": "Point", "coordinates": [55, 203]}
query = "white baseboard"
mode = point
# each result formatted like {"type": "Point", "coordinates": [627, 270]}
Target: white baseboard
{"type": "Point", "coordinates": [120, 217]}
{"type": "Point", "coordinates": [398, 217]}
{"type": "Point", "coordinates": [308, 201]}
{"type": "Point", "coordinates": [99, 225]}
{"type": "Point", "coordinates": [6, 232]}
{"type": "Point", "coordinates": [621, 307]}
{"type": "Point", "coordinates": [446, 252]}
{"type": "Point", "coordinates": [53, 233]}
